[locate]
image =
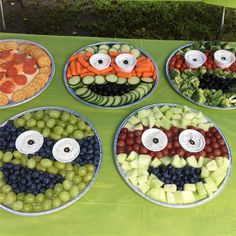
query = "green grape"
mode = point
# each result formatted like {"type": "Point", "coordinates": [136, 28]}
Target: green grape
{"type": "Point", "coordinates": [47, 204]}
{"type": "Point", "coordinates": [37, 158]}
{"type": "Point", "coordinates": [82, 186]}
{"type": "Point", "coordinates": [38, 115]}
{"type": "Point", "coordinates": [69, 166]}
{"type": "Point", "coordinates": [46, 118]}
{"type": "Point", "coordinates": [81, 125]}
{"type": "Point", "coordinates": [70, 174]}
{"type": "Point", "coordinates": [29, 198]}
{"type": "Point", "coordinates": [7, 157]}
{"type": "Point", "coordinates": [24, 160]}
{"type": "Point", "coordinates": [64, 196]}
{"type": "Point", "coordinates": [31, 123]}
{"type": "Point", "coordinates": [37, 207]}
{"type": "Point", "coordinates": [56, 202]}
{"type": "Point", "coordinates": [2, 183]}
{"type": "Point", "coordinates": [61, 123]}
{"type": "Point", "coordinates": [74, 191]}
{"type": "Point", "coordinates": [10, 198]}
{"type": "Point", "coordinates": [27, 207]}
{"type": "Point", "coordinates": [54, 114]}
{"type": "Point", "coordinates": [2, 197]}
{"type": "Point", "coordinates": [59, 165]}
{"type": "Point", "coordinates": [90, 167]}
{"type": "Point", "coordinates": [49, 193]}
{"type": "Point", "coordinates": [6, 188]}
{"type": "Point", "coordinates": [20, 196]}
{"type": "Point", "coordinates": [70, 129]}
{"type": "Point", "coordinates": [46, 132]}
{"type": "Point", "coordinates": [77, 179]}
{"type": "Point", "coordinates": [67, 184]}
{"type": "Point", "coordinates": [17, 154]}
{"type": "Point", "coordinates": [51, 123]}
{"type": "Point", "coordinates": [78, 134]}
{"type": "Point", "coordinates": [62, 172]}
{"type": "Point", "coordinates": [82, 171]}
{"type": "Point", "coordinates": [88, 128]}
{"type": "Point", "coordinates": [39, 167]}
{"type": "Point", "coordinates": [58, 130]}
{"type": "Point", "coordinates": [20, 122]}
{"type": "Point", "coordinates": [46, 163]}
{"type": "Point", "coordinates": [65, 133]}
{"type": "Point", "coordinates": [27, 116]}
{"type": "Point", "coordinates": [1, 155]}
{"type": "Point", "coordinates": [55, 136]}
{"type": "Point", "coordinates": [1, 175]}
{"type": "Point", "coordinates": [88, 133]}
{"type": "Point", "coordinates": [47, 111]}
{"type": "Point", "coordinates": [40, 124]}
{"type": "Point", "coordinates": [88, 177]}
{"type": "Point", "coordinates": [65, 116]}
{"type": "Point", "coordinates": [39, 197]}
{"type": "Point", "coordinates": [76, 167]}
{"type": "Point", "coordinates": [31, 163]}
{"type": "Point", "coordinates": [72, 119]}
{"type": "Point", "coordinates": [58, 188]}
{"type": "Point", "coordinates": [17, 206]}
{"type": "Point", "coordinates": [1, 163]}
{"type": "Point", "coordinates": [52, 170]}
{"type": "Point", "coordinates": [15, 161]}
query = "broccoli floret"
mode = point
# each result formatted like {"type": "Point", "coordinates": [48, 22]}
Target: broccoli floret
{"type": "Point", "coordinates": [178, 80]}
{"type": "Point", "coordinates": [213, 97]}
{"type": "Point", "coordinates": [228, 102]}
{"type": "Point", "coordinates": [203, 70]}
{"type": "Point", "coordinates": [188, 92]}
{"type": "Point", "coordinates": [199, 96]}
{"type": "Point", "coordinates": [194, 81]}
{"type": "Point", "coordinates": [174, 73]}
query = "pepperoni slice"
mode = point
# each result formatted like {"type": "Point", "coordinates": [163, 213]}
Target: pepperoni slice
{"type": "Point", "coordinates": [18, 58]}
{"type": "Point", "coordinates": [1, 75]}
{"type": "Point", "coordinates": [4, 54]}
{"type": "Point", "coordinates": [29, 69]}
{"type": "Point", "coordinates": [30, 61]}
{"type": "Point", "coordinates": [11, 71]}
{"type": "Point", "coordinates": [7, 87]}
{"type": "Point", "coordinates": [20, 79]}
{"type": "Point", "coordinates": [6, 65]}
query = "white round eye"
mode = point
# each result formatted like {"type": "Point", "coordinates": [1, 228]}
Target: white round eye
{"type": "Point", "coordinates": [192, 140]}
{"type": "Point", "coordinates": [126, 62]}
{"type": "Point", "coordinates": [100, 61]}
{"type": "Point", "coordinates": [66, 150]}
{"type": "Point", "coordinates": [29, 142]}
{"type": "Point", "coordinates": [154, 139]}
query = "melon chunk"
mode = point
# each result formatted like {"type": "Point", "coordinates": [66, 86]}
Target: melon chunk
{"type": "Point", "coordinates": [201, 189]}
{"type": "Point", "coordinates": [211, 165]}
{"type": "Point", "coordinates": [170, 188]}
{"type": "Point", "coordinates": [170, 198]}
{"type": "Point", "coordinates": [155, 163]}
{"type": "Point", "coordinates": [192, 161]}
{"type": "Point", "coordinates": [121, 157]}
{"type": "Point", "coordinates": [218, 176]}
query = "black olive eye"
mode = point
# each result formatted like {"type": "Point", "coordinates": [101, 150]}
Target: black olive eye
{"type": "Point", "coordinates": [125, 62]}
{"type": "Point", "coordinates": [191, 142]}
{"type": "Point", "coordinates": [66, 149]}
{"type": "Point", "coordinates": [194, 59]}
{"type": "Point", "coordinates": [223, 58]}
{"type": "Point", "coordinates": [100, 61]}
{"type": "Point", "coordinates": [155, 140]}
{"type": "Point", "coordinates": [31, 142]}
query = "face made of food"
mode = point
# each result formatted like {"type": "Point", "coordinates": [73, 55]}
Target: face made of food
{"type": "Point", "coordinates": [111, 74]}
{"type": "Point", "coordinates": [48, 157]}
{"type": "Point", "coordinates": [172, 154]}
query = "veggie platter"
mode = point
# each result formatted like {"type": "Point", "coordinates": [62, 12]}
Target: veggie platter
{"type": "Point", "coordinates": [205, 73]}
{"type": "Point", "coordinates": [172, 155]}
{"type": "Point", "coordinates": [26, 69]}
{"type": "Point", "coordinates": [110, 75]}
{"type": "Point", "coordinates": [49, 158]}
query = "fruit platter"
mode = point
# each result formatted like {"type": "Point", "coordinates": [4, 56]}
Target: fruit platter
{"type": "Point", "coordinates": [204, 73]}
{"type": "Point", "coordinates": [110, 75]}
{"type": "Point", "coordinates": [26, 69]}
{"type": "Point", "coordinates": [49, 158]}
{"type": "Point", "coordinates": [172, 155]}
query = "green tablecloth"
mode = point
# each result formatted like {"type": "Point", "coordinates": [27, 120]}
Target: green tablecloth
{"type": "Point", "coordinates": [111, 208]}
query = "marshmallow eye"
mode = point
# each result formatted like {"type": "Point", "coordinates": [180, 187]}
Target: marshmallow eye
{"type": "Point", "coordinates": [29, 142]}
{"type": "Point", "coordinates": [154, 139]}
{"type": "Point", "coordinates": [66, 150]}
{"type": "Point", "coordinates": [192, 140]}
{"type": "Point", "coordinates": [126, 62]}
{"type": "Point", "coordinates": [100, 61]}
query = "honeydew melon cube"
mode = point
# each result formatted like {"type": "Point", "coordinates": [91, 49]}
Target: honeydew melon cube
{"type": "Point", "coordinates": [143, 187]}
{"type": "Point", "coordinates": [126, 166]}
{"type": "Point", "coordinates": [138, 127]}
{"type": "Point", "coordinates": [158, 114]}
{"type": "Point", "coordinates": [170, 198]}
{"type": "Point", "coordinates": [211, 165]}
{"type": "Point", "coordinates": [204, 172]}
{"type": "Point", "coordinates": [200, 162]}
{"type": "Point", "coordinates": [155, 163]}
{"type": "Point", "coordinates": [142, 114]}
{"type": "Point", "coordinates": [206, 160]}
{"type": "Point", "coordinates": [132, 156]}
{"type": "Point", "coordinates": [184, 123]}
{"type": "Point", "coordinates": [170, 188]}
{"type": "Point", "coordinates": [190, 187]}
{"type": "Point", "coordinates": [164, 108]}
{"type": "Point", "coordinates": [154, 193]}
{"type": "Point", "coordinates": [134, 163]}
{"type": "Point", "coordinates": [177, 163]}
{"type": "Point", "coordinates": [132, 173]}
{"type": "Point", "coordinates": [186, 109]}
{"type": "Point", "coordinates": [151, 121]}
{"type": "Point", "coordinates": [201, 189]}
{"type": "Point", "coordinates": [158, 123]}
{"type": "Point", "coordinates": [169, 115]}
{"type": "Point", "coordinates": [208, 189]}
{"type": "Point", "coordinates": [121, 157]}
{"type": "Point", "coordinates": [142, 171]}
{"type": "Point", "coordinates": [151, 177]}
{"type": "Point", "coordinates": [188, 116]}
{"type": "Point", "coordinates": [199, 114]}
{"type": "Point", "coordinates": [134, 120]}
{"type": "Point", "coordinates": [219, 161]}
{"type": "Point", "coordinates": [195, 121]}
{"type": "Point", "coordinates": [165, 123]}
{"type": "Point", "coordinates": [129, 126]}
{"type": "Point", "coordinates": [176, 110]}
{"type": "Point", "coordinates": [205, 127]}
{"type": "Point", "coordinates": [211, 182]}
{"type": "Point", "coordinates": [156, 183]}
{"type": "Point", "coordinates": [204, 120]}
{"type": "Point", "coordinates": [142, 179]}
{"type": "Point", "coordinates": [226, 163]}
{"type": "Point", "coordinates": [192, 161]}
{"type": "Point", "coordinates": [183, 162]}
{"type": "Point", "coordinates": [176, 123]}
{"type": "Point", "coordinates": [199, 197]}
{"type": "Point", "coordinates": [218, 176]}
{"type": "Point", "coordinates": [165, 160]}
{"type": "Point", "coordinates": [162, 195]}
{"type": "Point", "coordinates": [134, 180]}
{"type": "Point", "coordinates": [179, 197]}
{"type": "Point", "coordinates": [176, 117]}
{"type": "Point", "coordinates": [144, 160]}
{"type": "Point", "coordinates": [188, 197]}
{"type": "Point", "coordinates": [144, 121]}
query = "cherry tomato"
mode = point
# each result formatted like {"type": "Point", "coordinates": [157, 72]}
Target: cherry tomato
{"type": "Point", "coordinates": [136, 147]}
{"type": "Point", "coordinates": [177, 66]}
{"type": "Point", "coordinates": [129, 141]}
{"type": "Point", "coordinates": [120, 150]}
{"type": "Point", "coordinates": [121, 143]}
{"type": "Point", "coordinates": [122, 136]}
{"type": "Point", "coordinates": [138, 133]}
{"type": "Point", "coordinates": [124, 130]}
{"type": "Point", "coordinates": [130, 134]}
{"type": "Point", "coordinates": [217, 152]}
{"type": "Point", "coordinates": [143, 150]}
{"type": "Point", "coordinates": [7, 87]}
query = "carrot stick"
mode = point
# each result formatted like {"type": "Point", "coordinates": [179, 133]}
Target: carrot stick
{"type": "Point", "coordinates": [85, 74]}
{"type": "Point", "coordinates": [72, 58]}
{"type": "Point", "coordinates": [68, 74]}
{"type": "Point", "coordinates": [115, 67]}
{"type": "Point", "coordinates": [73, 68]}
{"type": "Point", "coordinates": [141, 59]}
{"type": "Point", "coordinates": [124, 75]}
{"type": "Point", "coordinates": [113, 54]}
{"type": "Point", "coordinates": [78, 67]}
{"type": "Point", "coordinates": [93, 70]}
{"type": "Point", "coordinates": [139, 74]}
{"type": "Point", "coordinates": [147, 74]}
{"type": "Point", "coordinates": [80, 55]}
{"type": "Point", "coordinates": [152, 67]}
{"type": "Point", "coordinates": [133, 73]}
{"type": "Point", "coordinates": [83, 62]}
{"type": "Point", "coordinates": [88, 54]}
{"type": "Point", "coordinates": [109, 69]}
{"type": "Point", "coordinates": [84, 70]}
{"type": "Point", "coordinates": [146, 61]}
{"type": "Point", "coordinates": [154, 75]}
{"type": "Point", "coordinates": [142, 69]}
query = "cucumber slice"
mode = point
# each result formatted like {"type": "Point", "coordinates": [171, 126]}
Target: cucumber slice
{"type": "Point", "coordinates": [117, 101]}
{"type": "Point", "coordinates": [102, 51]}
{"type": "Point", "coordinates": [147, 79]}
{"type": "Point", "coordinates": [79, 85]}
{"type": "Point", "coordinates": [117, 46]}
{"type": "Point", "coordinates": [111, 78]}
{"type": "Point", "coordinates": [95, 49]}
{"type": "Point", "coordinates": [110, 101]}
{"type": "Point", "coordinates": [98, 100]}
{"type": "Point", "coordinates": [99, 79]}
{"type": "Point", "coordinates": [136, 93]}
{"type": "Point", "coordinates": [103, 101]}
{"type": "Point", "coordinates": [123, 99]}
{"type": "Point", "coordinates": [135, 52]}
{"type": "Point", "coordinates": [74, 80]}
{"type": "Point", "coordinates": [121, 81]}
{"type": "Point", "coordinates": [145, 87]}
{"type": "Point", "coordinates": [89, 49]}
{"type": "Point", "coordinates": [88, 80]}
{"type": "Point", "coordinates": [113, 50]}
{"type": "Point", "coordinates": [82, 52]}
{"type": "Point", "coordinates": [134, 80]}
{"type": "Point", "coordinates": [141, 91]}
{"type": "Point", "coordinates": [129, 98]}
{"type": "Point", "coordinates": [81, 91]}
{"type": "Point", "coordinates": [91, 98]}
{"type": "Point", "coordinates": [125, 48]}
{"type": "Point", "coordinates": [104, 47]}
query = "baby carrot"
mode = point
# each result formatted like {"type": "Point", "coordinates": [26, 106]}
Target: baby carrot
{"type": "Point", "coordinates": [133, 73]}
{"type": "Point", "coordinates": [109, 69]}
{"type": "Point", "coordinates": [73, 68]}
{"type": "Point", "coordinates": [72, 58]}
{"type": "Point", "coordinates": [124, 75]}
{"type": "Point", "coordinates": [154, 75]}
{"type": "Point", "coordinates": [68, 73]}
{"type": "Point", "coordinates": [139, 74]}
{"type": "Point", "coordinates": [147, 74]}
{"type": "Point", "coordinates": [152, 66]}
{"type": "Point", "coordinates": [142, 69]}
{"type": "Point", "coordinates": [84, 70]}
{"type": "Point", "coordinates": [141, 59]}
{"type": "Point", "coordinates": [93, 70]}
{"type": "Point", "coordinates": [78, 67]}
{"type": "Point", "coordinates": [82, 62]}
{"type": "Point", "coordinates": [113, 54]}
{"type": "Point", "coordinates": [88, 54]}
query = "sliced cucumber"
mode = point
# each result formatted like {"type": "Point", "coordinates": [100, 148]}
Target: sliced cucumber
{"type": "Point", "coordinates": [113, 50]}
{"type": "Point", "coordinates": [110, 101]}
{"type": "Point", "coordinates": [123, 99]}
{"type": "Point", "coordinates": [99, 79]}
{"type": "Point", "coordinates": [141, 91]}
{"type": "Point", "coordinates": [92, 97]}
{"type": "Point", "coordinates": [95, 49]}
{"type": "Point", "coordinates": [81, 91]}
{"type": "Point", "coordinates": [82, 52]}
{"type": "Point", "coordinates": [104, 47]}
{"type": "Point", "coordinates": [129, 98]}
{"type": "Point", "coordinates": [117, 46]}
{"type": "Point", "coordinates": [98, 100]}
{"type": "Point", "coordinates": [111, 78]}
{"type": "Point", "coordinates": [147, 79]}
{"type": "Point", "coordinates": [135, 52]}
{"type": "Point", "coordinates": [103, 101]}
{"type": "Point", "coordinates": [102, 51]}
{"type": "Point", "coordinates": [74, 80]}
{"type": "Point", "coordinates": [89, 49]}
{"type": "Point", "coordinates": [134, 80]}
{"type": "Point", "coordinates": [117, 101]}
{"type": "Point", "coordinates": [79, 85]}
{"type": "Point", "coordinates": [136, 93]}
{"type": "Point", "coordinates": [125, 48]}
{"type": "Point", "coordinates": [88, 79]}
{"type": "Point", "coordinates": [121, 81]}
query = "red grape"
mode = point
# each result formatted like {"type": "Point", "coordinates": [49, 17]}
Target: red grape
{"type": "Point", "coordinates": [129, 149]}
{"type": "Point", "coordinates": [138, 140]}
{"type": "Point", "coordinates": [165, 152]}
{"type": "Point", "coordinates": [124, 130]}
{"type": "Point", "coordinates": [215, 145]}
{"type": "Point", "coordinates": [217, 152]}
{"type": "Point", "coordinates": [143, 150]}
{"type": "Point", "coordinates": [120, 143]}
{"type": "Point", "coordinates": [138, 133]}
{"type": "Point", "coordinates": [176, 144]}
{"type": "Point", "coordinates": [130, 134]}
{"type": "Point", "coordinates": [159, 155]}
{"type": "Point", "coordinates": [129, 141]}
{"type": "Point", "coordinates": [136, 147]}
{"type": "Point", "coordinates": [180, 152]}
{"type": "Point", "coordinates": [152, 154]}
{"type": "Point", "coordinates": [120, 150]}
{"type": "Point", "coordinates": [122, 136]}
{"type": "Point", "coordinates": [169, 134]}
